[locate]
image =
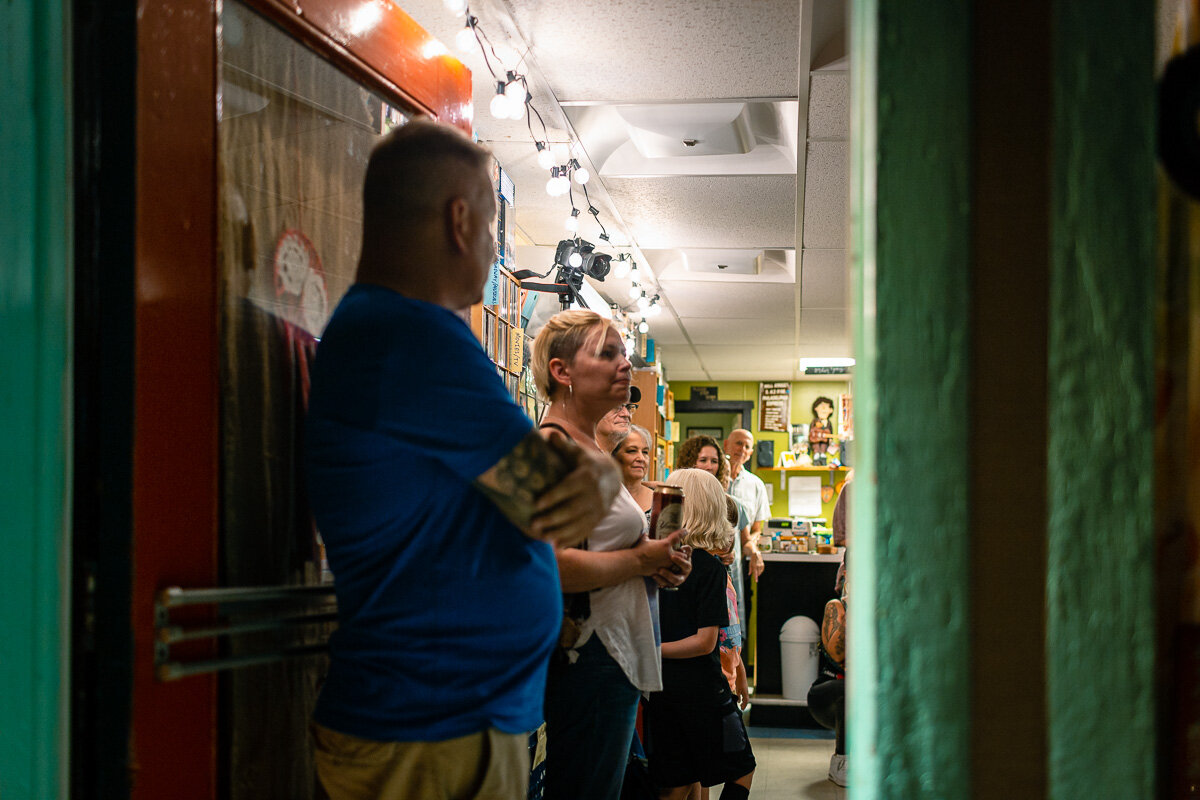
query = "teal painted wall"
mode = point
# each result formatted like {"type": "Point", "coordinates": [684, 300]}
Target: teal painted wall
{"type": "Point", "coordinates": [910, 717]}
{"type": "Point", "coordinates": [35, 391]}
{"type": "Point", "coordinates": [909, 686]}
{"type": "Point", "coordinates": [1100, 630]}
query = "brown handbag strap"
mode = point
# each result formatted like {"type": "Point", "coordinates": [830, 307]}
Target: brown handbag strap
{"type": "Point", "coordinates": [556, 426]}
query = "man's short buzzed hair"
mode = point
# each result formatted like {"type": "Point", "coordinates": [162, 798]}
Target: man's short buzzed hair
{"type": "Point", "coordinates": [410, 170]}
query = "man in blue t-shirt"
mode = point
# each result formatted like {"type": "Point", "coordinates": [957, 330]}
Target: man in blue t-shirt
{"type": "Point", "coordinates": [438, 503]}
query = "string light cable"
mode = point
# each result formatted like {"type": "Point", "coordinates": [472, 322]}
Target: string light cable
{"type": "Point", "coordinates": [513, 96]}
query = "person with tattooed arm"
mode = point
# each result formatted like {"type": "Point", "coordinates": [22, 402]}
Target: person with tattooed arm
{"type": "Point", "coordinates": [439, 504]}
{"type": "Point", "coordinates": [827, 697]}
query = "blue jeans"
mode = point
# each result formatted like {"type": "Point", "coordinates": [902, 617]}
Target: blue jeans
{"type": "Point", "coordinates": [591, 708]}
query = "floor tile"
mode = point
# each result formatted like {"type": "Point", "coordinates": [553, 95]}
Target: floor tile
{"type": "Point", "coordinates": [791, 766]}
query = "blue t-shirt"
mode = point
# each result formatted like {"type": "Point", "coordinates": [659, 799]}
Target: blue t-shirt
{"type": "Point", "coordinates": [447, 612]}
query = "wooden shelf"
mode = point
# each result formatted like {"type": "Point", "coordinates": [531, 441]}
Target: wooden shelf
{"type": "Point", "coordinates": [806, 469]}
{"type": "Point", "coordinates": [776, 700]}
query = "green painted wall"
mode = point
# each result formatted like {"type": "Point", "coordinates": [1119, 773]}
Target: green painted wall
{"type": "Point", "coordinates": [1100, 630]}
{"type": "Point", "coordinates": [35, 391]}
{"type": "Point", "coordinates": [909, 702]}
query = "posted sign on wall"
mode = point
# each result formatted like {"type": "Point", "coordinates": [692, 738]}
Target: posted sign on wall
{"type": "Point", "coordinates": [775, 407]}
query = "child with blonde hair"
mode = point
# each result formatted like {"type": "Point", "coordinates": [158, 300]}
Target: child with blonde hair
{"type": "Point", "coordinates": [694, 732]}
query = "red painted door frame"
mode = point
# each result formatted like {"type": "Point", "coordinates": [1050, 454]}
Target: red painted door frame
{"type": "Point", "coordinates": [176, 466]}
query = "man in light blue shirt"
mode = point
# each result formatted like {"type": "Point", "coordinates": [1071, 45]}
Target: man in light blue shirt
{"type": "Point", "coordinates": [750, 492]}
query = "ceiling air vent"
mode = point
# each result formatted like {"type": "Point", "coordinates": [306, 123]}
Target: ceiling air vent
{"type": "Point", "coordinates": [670, 130]}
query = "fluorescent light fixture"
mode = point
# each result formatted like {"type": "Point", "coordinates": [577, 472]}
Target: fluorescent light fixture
{"type": "Point", "coordinates": [805, 363]}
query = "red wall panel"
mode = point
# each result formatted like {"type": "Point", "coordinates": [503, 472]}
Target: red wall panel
{"type": "Point", "coordinates": [176, 464]}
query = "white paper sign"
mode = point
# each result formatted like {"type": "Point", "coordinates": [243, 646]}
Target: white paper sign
{"type": "Point", "coordinates": [804, 496]}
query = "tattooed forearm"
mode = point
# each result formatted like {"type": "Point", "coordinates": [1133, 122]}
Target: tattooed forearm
{"type": "Point", "coordinates": [833, 631]}
{"type": "Point", "coordinates": [516, 481]}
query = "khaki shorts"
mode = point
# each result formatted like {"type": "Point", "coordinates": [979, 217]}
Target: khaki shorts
{"type": "Point", "coordinates": [489, 765]}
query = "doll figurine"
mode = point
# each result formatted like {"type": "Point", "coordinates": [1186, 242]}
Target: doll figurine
{"type": "Point", "coordinates": [820, 432]}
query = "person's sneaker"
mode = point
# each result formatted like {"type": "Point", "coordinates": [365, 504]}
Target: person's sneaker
{"type": "Point", "coordinates": [837, 769]}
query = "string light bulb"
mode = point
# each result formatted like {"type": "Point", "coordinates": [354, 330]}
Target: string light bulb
{"type": "Point", "coordinates": [643, 327]}
{"type": "Point", "coordinates": [516, 94]}
{"type": "Point", "coordinates": [581, 177]}
{"type": "Point", "coordinates": [573, 221]}
{"type": "Point", "coordinates": [643, 303]}
{"type": "Point", "coordinates": [456, 7]}
{"type": "Point", "coordinates": [634, 291]}
{"type": "Point", "coordinates": [575, 260]}
{"type": "Point", "coordinates": [559, 184]}
{"type": "Point", "coordinates": [465, 40]}
{"type": "Point", "coordinates": [545, 158]}
{"type": "Point", "coordinates": [621, 266]}
{"type": "Point", "coordinates": [515, 90]}
{"type": "Point", "coordinates": [499, 104]}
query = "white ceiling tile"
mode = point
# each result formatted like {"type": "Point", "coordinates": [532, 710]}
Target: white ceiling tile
{"type": "Point", "coordinates": [826, 184]}
{"type": "Point", "coordinates": [761, 331]}
{"type": "Point", "coordinates": [675, 356]}
{"type": "Point", "coordinates": [726, 212]}
{"type": "Point", "coordinates": [745, 356]}
{"type": "Point", "coordinates": [665, 329]}
{"type": "Point", "coordinates": [829, 106]}
{"type": "Point", "coordinates": [732, 301]}
{"type": "Point", "coordinates": [669, 49]}
{"type": "Point", "coordinates": [824, 331]}
{"type": "Point", "coordinates": [823, 279]}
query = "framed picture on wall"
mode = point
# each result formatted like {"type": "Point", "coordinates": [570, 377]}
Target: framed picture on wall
{"type": "Point", "coordinates": [716, 433]}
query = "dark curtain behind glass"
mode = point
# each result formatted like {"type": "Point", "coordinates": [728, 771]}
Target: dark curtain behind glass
{"type": "Point", "coordinates": [294, 137]}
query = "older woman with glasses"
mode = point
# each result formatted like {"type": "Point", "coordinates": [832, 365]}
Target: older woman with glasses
{"type": "Point", "coordinates": [613, 426]}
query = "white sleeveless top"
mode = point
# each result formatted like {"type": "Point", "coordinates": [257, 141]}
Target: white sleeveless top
{"type": "Point", "coordinates": [621, 615]}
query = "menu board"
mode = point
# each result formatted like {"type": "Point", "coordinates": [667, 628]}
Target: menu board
{"type": "Point", "coordinates": [775, 406]}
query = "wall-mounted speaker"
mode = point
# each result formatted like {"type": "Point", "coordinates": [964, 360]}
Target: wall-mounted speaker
{"type": "Point", "coordinates": [764, 454]}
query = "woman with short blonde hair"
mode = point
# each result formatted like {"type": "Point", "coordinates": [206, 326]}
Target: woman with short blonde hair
{"type": "Point", "coordinates": [607, 655]}
{"type": "Point", "coordinates": [561, 337]}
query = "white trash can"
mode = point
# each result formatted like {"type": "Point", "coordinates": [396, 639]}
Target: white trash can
{"type": "Point", "coordinates": [799, 645]}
